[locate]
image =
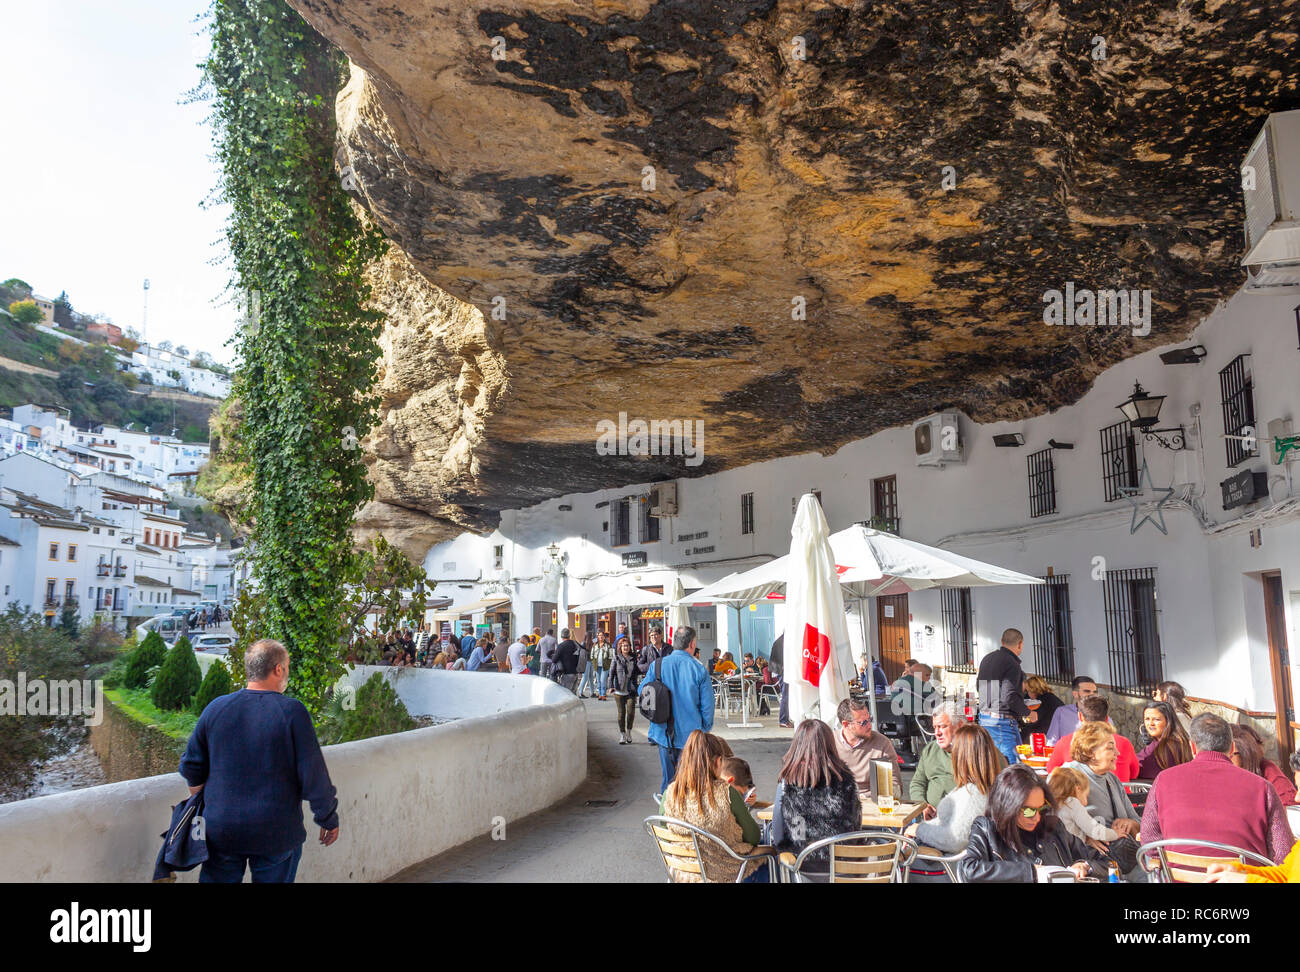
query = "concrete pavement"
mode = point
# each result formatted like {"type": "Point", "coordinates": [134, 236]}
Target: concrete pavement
{"type": "Point", "coordinates": [575, 841]}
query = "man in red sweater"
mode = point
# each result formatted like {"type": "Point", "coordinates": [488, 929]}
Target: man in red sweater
{"type": "Point", "coordinates": [1094, 708]}
{"type": "Point", "coordinates": [1210, 799]}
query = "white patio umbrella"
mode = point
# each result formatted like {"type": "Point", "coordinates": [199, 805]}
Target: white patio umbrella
{"type": "Point", "coordinates": [868, 562]}
{"type": "Point", "coordinates": [625, 598]}
{"type": "Point", "coordinates": [678, 616]}
{"type": "Point", "coordinates": [816, 635]}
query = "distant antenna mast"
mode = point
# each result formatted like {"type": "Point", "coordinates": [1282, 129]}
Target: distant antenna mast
{"type": "Point", "coordinates": [144, 315]}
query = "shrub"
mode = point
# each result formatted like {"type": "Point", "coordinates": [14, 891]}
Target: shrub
{"type": "Point", "coordinates": [147, 654]}
{"type": "Point", "coordinates": [375, 710]}
{"type": "Point", "coordinates": [178, 678]}
{"type": "Point", "coordinates": [215, 684]}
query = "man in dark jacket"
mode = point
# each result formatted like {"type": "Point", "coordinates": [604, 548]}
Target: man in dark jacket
{"type": "Point", "coordinates": [255, 756]}
{"type": "Point", "coordinates": [653, 651]}
{"type": "Point", "coordinates": [566, 660]}
{"type": "Point", "coordinates": [999, 680]}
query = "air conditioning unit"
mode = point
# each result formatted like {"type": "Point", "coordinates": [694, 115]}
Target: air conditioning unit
{"type": "Point", "coordinates": [663, 500]}
{"type": "Point", "coordinates": [938, 439]}
{"type": "Point", "coordinates": [1270, 186]}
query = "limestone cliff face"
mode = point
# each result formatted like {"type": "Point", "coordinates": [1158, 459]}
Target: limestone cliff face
{"type": "Point", "coordinates": [650, 191]}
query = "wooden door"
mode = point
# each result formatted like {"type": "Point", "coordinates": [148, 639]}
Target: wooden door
{"type": "Point", "coordinates": [1280, 663]}
{"type": "Point", "coordinates": [892, 633]}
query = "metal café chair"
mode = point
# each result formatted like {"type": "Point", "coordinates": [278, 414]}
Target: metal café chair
{"type": "Point", "coordinates": [930, 858]}
{"type": "Point", "coordinates": [1178, 867]}
{"type": "Point", "coordinates": [681, 852]}
{"type": "Point", "coordinates": [1137, 791]}
{"type": "Point", "coordinates": [861, 857]}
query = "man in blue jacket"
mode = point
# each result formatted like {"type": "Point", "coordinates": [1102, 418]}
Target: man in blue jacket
{"type": "Point", "coordinates": [254, 754]}
{"type": "Point", "coordinates": [692, 700]}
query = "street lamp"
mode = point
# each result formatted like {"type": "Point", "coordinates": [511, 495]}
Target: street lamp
{"type": "Point", "coordinates": [1143, 412]}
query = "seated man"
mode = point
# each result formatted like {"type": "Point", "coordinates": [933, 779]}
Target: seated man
{"type": "Point", "coordinates": [871, 667]}
{"type": "Point", "coordinates": [1095, 708]}
{"type": "Point", "coordinates": [1211, 799]}
{"type": "Point", "coordinates": [913, 693]}
{"type": "Point", "coordinates": [933, 780]}
{"type": "Point", "coordinates": [858, 745]}
{"type": "Point", "coordinates": [909, 668]}
{"type": "Point", "coordinates": [1067, 716]}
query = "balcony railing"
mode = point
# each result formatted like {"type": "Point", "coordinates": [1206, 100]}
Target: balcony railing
{"type": "Point", "coordinates": [103, 570]}
{"type": "Point", "coordinates": [119, 570]}
{"type": "Point", "coordinates": [53, 600]}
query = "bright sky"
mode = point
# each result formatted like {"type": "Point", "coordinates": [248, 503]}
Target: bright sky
{"type": "Point", "coordinates": [103, 170]}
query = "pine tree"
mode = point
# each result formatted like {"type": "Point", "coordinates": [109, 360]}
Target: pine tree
{"type": "Point", "coordinates": [178, 679]}
{"type": "Point", "coordinates": [150, 652]}
{"type": "Point", "coordinates": [215, 684]}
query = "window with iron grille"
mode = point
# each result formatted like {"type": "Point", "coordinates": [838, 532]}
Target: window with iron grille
{"type": "Point", "coordinates": [884, 503]}
{"type": "Point", "coordinates": [1119, 468]}
{"type": "Point", "coordinates": [649, 524]}
{"type": "Point", "coordinates": [1049, 612]}
{"type": "Point", "coordinates": [620, 523]}
{"type": "Point", "coordinates": [1042, 483]}
{"type": "Point", "coordinates": [1238, 408]}
{"type": "Point", "coordinates": [746, 513]}
{"type": "Point", "coordinates": [958, 628]}
{"type": "Point", "coordinates": [1132, 631]}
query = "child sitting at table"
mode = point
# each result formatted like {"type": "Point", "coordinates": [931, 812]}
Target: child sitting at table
{"type": "Point", "coordinates": [736, 772]}
{"type": "Point", "coordinates": [1070, 791]}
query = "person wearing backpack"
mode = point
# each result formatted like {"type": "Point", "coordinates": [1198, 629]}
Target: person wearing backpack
{"type": "Point", "coordinates": [676, 699]}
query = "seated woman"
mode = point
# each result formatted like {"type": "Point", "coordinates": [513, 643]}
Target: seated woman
{"type": "Point", "coordinates": [1093, 751]}
{"type": "Point", "coordinates": [1176, 696]}
{"type": "Point", "coordinates": [725, 667]}
{"type": "Point", "coordinates": [1248, 753]}
{"type": "Point", "coordinates": [700, 797]}
{"type": "Point", "coordinates": [1020, 832]}
{"type": "Point", "coordinates": [816, 794]}
{"type": "Point", "coordinates": [1233, 872]}
{"type": "Point", "coordinates": [1169, 745]}
{"type": "Point", "coordinates": [975, 766]}
{"type": "Point", "coordinates": [1048, 702]}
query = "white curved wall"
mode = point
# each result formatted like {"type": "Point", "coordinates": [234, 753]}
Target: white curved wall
{"type": "Point", "coordinates": [519, 745]}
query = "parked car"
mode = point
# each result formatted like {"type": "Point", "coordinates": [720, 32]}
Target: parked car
{"type": "Point", "coordinates": [168, 627]}
{"type": "Point", "coordinates": [215, 644]}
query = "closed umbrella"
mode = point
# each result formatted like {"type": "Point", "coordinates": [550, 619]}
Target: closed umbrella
{"type": "Point", "coordinates": [816, 634]}
{"type": "Point", "coordinates": [678, 615]}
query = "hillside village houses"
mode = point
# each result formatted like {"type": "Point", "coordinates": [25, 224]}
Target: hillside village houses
{"type": "Point", "coordinates": [1211, 603]}
{"type": "Point", "coordinates": [161, 460]}
{"type": "Point", "coordinates": [90, 521]}
{"type": "Point", "coordinates": [172, 368]}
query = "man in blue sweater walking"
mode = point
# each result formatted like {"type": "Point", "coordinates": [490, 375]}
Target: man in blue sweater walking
{"type": "Point", "coordinates": [692, 701]}
{"type": "Point", "coordinates": [254, 754]}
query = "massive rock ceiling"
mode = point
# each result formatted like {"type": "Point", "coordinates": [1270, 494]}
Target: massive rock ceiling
{"type": "Point", "coordinates": [648, 192]}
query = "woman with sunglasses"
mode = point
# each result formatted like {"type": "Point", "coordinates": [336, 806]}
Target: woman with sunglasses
{"type": "Point", "coordinates": [1020, 832]}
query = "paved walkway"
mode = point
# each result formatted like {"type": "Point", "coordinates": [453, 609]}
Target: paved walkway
{"type": "Point", "coordinates": [575, 841]}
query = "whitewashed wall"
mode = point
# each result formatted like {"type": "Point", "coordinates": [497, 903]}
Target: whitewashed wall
{"type": "Point", "coordinates": [519, 745]}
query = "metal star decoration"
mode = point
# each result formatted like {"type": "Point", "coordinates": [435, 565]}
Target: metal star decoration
{"type": "Point", "coordinates": [1131, 493]}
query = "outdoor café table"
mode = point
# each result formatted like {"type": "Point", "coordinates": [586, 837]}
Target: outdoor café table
{"type": "Point", "coordinates": [872, 818]}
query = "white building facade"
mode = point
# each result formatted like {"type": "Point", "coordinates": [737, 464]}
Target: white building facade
{"type": "Point", "coordinates": [1212, 603]}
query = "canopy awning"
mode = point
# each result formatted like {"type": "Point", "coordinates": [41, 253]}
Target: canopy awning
{"type": "Point", "coordinates": [625, 598]}
{"type": "Point", "coordinates": [868, 562]}
{"type": "Point", "coordinates": [483, 604]}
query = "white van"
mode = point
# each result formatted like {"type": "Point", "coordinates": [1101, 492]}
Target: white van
{"type": "Point", "coordinates": [167, 625]}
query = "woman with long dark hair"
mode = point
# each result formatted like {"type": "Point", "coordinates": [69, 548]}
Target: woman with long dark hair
{"type": "Point", "coordinates": [1176, 696]}
{"type": "Point", "coordinates": [1036, 687]}
{"type": "Point", "coordinates": [698, 796]}
{"type": "Point", "coordinates": [1248, 753]}
{"type": "Point", "coordinates": [816, 795]}
{"type": "Point", "coordinates": [1169, 745]}
{"type": "Point", "coordinates": [1019, 832]}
